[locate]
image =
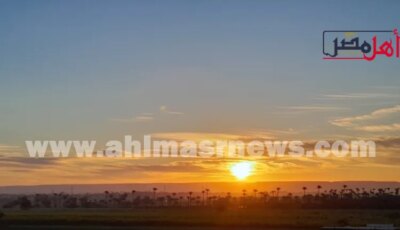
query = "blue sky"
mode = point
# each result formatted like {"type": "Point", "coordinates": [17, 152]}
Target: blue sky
{"type": "Point", "coordinates": [59, 57]}
{"type": "Point", "coordinates": [93, 69]}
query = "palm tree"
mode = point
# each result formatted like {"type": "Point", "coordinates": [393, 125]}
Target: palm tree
{"type": "Point", "coordinates": [207, 191]}
{"type": "Point", "coordinates": [180, 200]}
{"type": "Point", "coordinates": [255, 193]}
{"type": "Point", "coordinates": [304, 189]}
{"type": "Point", "coordinates": [343, 191]}
{"type": "Point", "coordinates": [228, 195]}
{"type": "Point", "coordinates": [154, 193]}
{"type": "Point", "coordinates": [190, 197]}
{"type": "Point", "coordinates": [106, 195]}
{"type": "Point", "coordinates": [132, 193]}
{"type": "Point", "coordinates": [277, 191]}
{"type": "Point", "coordinates": [319, 188]}
{"type": "Point", "coordinates": [273, 192]}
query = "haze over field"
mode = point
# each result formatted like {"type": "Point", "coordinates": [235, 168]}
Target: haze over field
{"type": "Point", "coordinates": [294, 187]}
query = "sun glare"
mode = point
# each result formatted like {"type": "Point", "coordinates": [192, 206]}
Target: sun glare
{"type": "Point", "coordinates": [242, 170]}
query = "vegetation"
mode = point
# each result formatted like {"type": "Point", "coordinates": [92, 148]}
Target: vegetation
{"type": "Point", "coordinates": [345, 198]}
{"type": "Point", "coordinates": [202, 217]}
{"type": "Point", "coordinates": [255, 208]}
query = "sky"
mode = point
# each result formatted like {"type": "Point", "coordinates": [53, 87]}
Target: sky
{"type": "Point", "coordinates": [100, 70]}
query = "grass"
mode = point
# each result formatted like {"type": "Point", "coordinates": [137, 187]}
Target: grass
{"type": "Point", "coordinates": [202, 217]}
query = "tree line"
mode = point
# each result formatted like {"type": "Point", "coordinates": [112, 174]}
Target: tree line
{"type": "Point", "coordinates": [343, 198]}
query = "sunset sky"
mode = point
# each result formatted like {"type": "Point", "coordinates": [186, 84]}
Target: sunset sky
{"type": "Point", "coordinates": [99, 70]}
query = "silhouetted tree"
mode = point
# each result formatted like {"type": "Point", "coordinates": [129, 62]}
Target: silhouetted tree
{"type": "Point", "coordinates": [319, 189]}
{"type": "Point", "coordinates": [132, 195]}
{"type": "Point", "coordinates": [304, 190]}
{"type": "Point", "coordinates": [190, 198]}
{"type": "Point", "coordinates": [154, 193]}
{"type": "Point", "coordinates": [25, 203]}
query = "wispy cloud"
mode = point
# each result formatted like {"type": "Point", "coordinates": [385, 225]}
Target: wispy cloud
{"type": "Point", "coordinates": [164, 109]}
{"type": "Point", "coordinates": [140, 118]}
{"type": "Point", "coordinates": [178, 166]}
{"type": "Point", "coordinates": [312, 108]}
{"type": "Point", "coordinates": [24, 162]}
{"type": "Point", "coordinates": [143, 118]}
{"type": "Point", "coordinates": [355, 122]}
{"type": "Point", "coordinates": [360, 96]}
{"type": "Point", "coordinates": [349, 121]}
{"type": "Point", "coordinates": [271, 133]}
{"type": "Point", "coordinates": [8, 147]}
{"type": "Point", "coordinates": [381, 128]}
{"type": "Point", "coordinates": [196, 136]}
{"type": "Point", "coordinates": [147, 117]}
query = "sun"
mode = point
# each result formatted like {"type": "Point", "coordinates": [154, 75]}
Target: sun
{"type": "Point", "coordinates": [242, 170]}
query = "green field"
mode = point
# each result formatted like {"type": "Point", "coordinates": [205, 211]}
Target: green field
{"type": "Point", "coordinates": [161, 218]}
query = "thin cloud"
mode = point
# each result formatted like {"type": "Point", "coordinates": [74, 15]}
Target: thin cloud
{"type": "Point", "coordinates": [381, 128]}
{"type": "Point", "coordinates": [270, 133]}
{"type": "Point", "coordinates": [353, 122]}
{"type": "Point", "coordinates": [164, 109]}
{"type": "Point", "coordinates": [8, 147]}
{"type": "Point", "coordinates": [173, 167]}
{"type": "Point", "coordinates": [198, 136]}
{"type": "Point", "coordinates": [359, 96]}
{"type": "Point", "coordinates": [312, 108]}
{"type": "Point", "coordinates": [141, 118]}
{"type": "Point", "coordinates": [147, 117]}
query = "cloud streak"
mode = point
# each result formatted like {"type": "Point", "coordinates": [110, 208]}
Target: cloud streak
{"type": "Point", "coordinates": [144, 117]}
{"type": "Point", "coordinates": [147, 117]}
{"type": "Point", "coordinates": [164, 109]}
{"type": "Point", "coordinates": [355, 121]}
{"type": "Point", "coordinates": [359, 96]}
{"type": "Point", "coordinates": [312, 108]}
{"type": "Point", "coordinates": [381, 128]}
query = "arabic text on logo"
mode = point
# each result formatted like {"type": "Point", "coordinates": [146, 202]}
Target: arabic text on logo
{"type": "Point", "coordinates": [360, 44]}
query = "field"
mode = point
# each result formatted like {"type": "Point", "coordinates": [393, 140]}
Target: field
{"type": "Point", "coordinates": [194, 218]}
